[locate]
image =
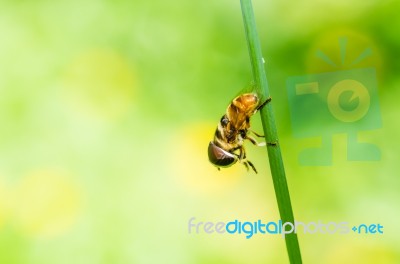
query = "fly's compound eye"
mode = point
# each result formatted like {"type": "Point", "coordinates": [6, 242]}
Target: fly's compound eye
{"type": "Point", "coordinates": [224, 121]}
{"type": "Point", "coordinates": [220, 157]}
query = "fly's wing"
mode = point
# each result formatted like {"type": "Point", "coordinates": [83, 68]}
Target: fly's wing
{"type": "Point", "coordinates": [250, 88]}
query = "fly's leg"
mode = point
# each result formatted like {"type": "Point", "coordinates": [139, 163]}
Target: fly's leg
{"type": "Point", "coordinates": [246, 163]}
{"type": "Point", "coordinates": [252, 166]}
{"type": "Point", "coordinates": [264, 103]}
{"type": "Point", "coordinates": [242, 153]}
{"type": "Point", "coordinates": [258, 135]}
{"type": "Point", "coordinates": [261, 144]}
{"type": "Point", "coordinates": [252, 140]}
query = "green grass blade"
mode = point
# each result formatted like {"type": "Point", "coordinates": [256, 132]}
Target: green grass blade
{"type": "Point", "coordinates": [270, 131]}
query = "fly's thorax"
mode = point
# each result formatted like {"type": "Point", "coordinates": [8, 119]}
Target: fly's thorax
{"type": "Point", "coordinates": [246, 103]}
{"type": "Point", "coordinates": [241, 109]}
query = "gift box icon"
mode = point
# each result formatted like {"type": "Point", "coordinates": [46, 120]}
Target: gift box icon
{"type": "Point", "coordinates": [325, 104]}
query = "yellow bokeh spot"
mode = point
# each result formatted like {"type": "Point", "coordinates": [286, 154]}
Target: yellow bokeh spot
{"type": "Point", "coordinates": [190, 165]}
{"type": "Point", "coordinates": [45, 204]}
{"type": "Point", "coordinates": [100, 82]}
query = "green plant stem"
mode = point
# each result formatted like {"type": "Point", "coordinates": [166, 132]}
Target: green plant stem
{"type": "Point", "coordinates": [270, 131]}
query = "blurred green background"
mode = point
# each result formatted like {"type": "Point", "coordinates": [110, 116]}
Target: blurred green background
{"type": "Point", "coordinates": [107, 108]}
